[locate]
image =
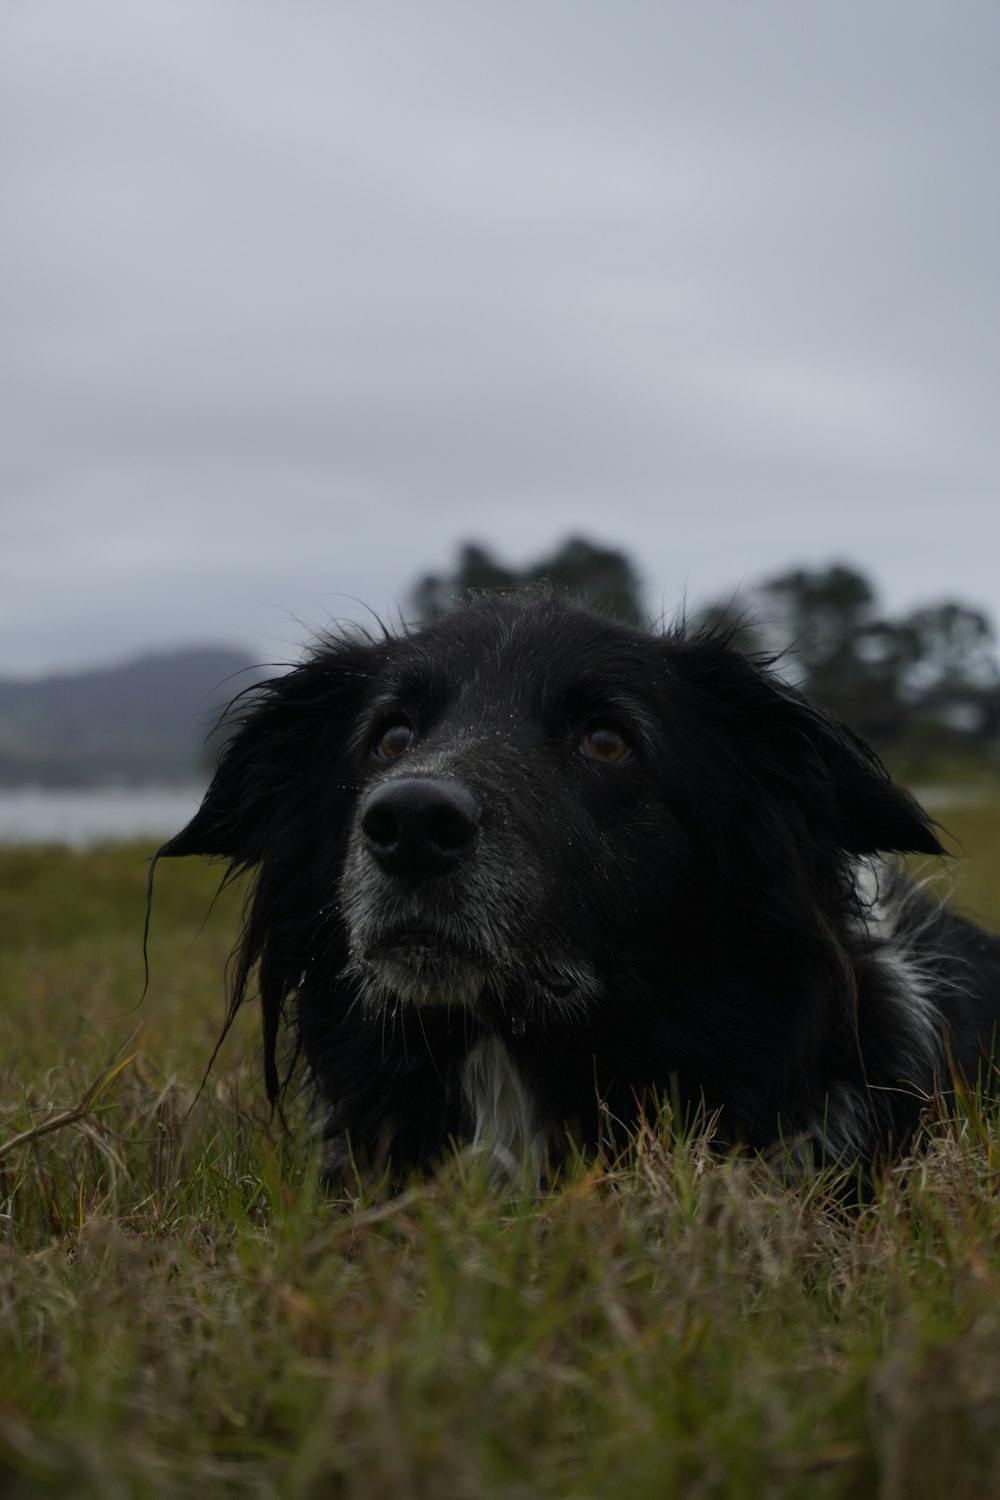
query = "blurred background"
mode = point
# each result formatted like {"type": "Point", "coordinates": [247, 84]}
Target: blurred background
{"type": "Point", "coordinates": [310, 310]}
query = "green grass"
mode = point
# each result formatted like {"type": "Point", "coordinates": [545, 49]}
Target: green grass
{"type": "Point", "coordinates": [183, 1313]}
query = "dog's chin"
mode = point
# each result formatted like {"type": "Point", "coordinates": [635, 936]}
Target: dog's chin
{"type": "Point", "coordinates": [426, 970]}
{"type": "Point", "coordinates": [421, 971]}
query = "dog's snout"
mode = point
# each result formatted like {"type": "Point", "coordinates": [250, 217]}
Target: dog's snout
{"type": "Point", "coordinates": [419, 826]}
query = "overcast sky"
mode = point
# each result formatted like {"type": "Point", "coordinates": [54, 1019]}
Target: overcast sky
{"type": "Point", "coordinates": [296, 296]}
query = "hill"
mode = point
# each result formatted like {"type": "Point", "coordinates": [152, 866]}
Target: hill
{"type": "Point", "coordinates": [146, 720]}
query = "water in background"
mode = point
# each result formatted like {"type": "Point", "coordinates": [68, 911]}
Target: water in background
{"type": "Point", "coordinates": [33, 815]}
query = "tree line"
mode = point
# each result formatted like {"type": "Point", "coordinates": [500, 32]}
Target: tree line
{"type": "Point", "coordinates": [923, 685]}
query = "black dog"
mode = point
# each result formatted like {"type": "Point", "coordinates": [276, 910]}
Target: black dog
{"type": "Point", "coordinates": [522, 870]}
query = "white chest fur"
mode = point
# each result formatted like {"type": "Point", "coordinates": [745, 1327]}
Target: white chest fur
{"type": "Point", "coordinates": [507, 1124]}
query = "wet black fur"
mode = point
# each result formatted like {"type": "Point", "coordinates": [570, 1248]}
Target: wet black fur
{"type": "Point", "coordinates": [704, 888]}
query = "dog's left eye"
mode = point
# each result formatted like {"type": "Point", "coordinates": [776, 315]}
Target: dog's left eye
{"type": "Point", "coordinates": [393, 740]}
{"type": "Point", "coordinates": [605, 743]}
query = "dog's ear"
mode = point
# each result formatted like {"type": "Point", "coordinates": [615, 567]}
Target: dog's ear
{"type": "Point", "coordinates": [802, 755]}
{"type": "Point", "coordinates": [286, 738]}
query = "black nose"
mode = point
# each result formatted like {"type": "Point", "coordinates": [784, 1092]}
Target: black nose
{"type": "Point", "coordinates": [419, 826]}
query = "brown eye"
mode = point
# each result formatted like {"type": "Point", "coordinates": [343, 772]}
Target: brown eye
{"type": "Point", "coordinates": [393, 740]}
{"type": "Point", "coordinates": [604, 743]}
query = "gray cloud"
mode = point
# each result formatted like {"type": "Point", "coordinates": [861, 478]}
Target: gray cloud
{"type": "Point", "coordinates": [295, 298]}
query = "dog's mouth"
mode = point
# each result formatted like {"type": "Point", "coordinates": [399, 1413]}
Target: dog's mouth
{"type": "Point", "coordinates": [422, 947]}
{"type": "Point", "coordinates": [434, 966]}
{"type": "Point", "coordinates": [426, 967]}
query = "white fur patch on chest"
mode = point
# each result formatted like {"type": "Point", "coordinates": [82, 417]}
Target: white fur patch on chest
{"type": "Point", "coordinates": [507, 1120]}
{"type": "Point", "coordinates": [896, 951]}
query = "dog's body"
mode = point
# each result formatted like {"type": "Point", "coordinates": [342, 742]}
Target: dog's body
{"type": "Point", "coordinates": [524, 870]}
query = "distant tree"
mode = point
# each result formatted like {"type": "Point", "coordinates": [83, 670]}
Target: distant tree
{"type": "Point", "coordinates": [952, 675]}
{"type": "Point", "coordinates": [476, 569]}
{"type": "Point", "coordinates": [819, 614]}
{"type": "Point", "coordinates": [836, 646]}
{"type": "Point", "coordinates": [953, 648]}
{"type": "Point", "coordinates": [935, 666]}
{"type": "Point", "coordinates": [601, 576]}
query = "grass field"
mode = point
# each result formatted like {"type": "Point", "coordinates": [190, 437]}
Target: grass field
{"type": "Point", "coordinates": [183, 1314]}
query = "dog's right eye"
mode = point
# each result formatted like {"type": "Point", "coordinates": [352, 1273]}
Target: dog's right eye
{"type": "Point", "coordinates": [393, 740]}
{"type": "Point", "coordinates": [604, 743]}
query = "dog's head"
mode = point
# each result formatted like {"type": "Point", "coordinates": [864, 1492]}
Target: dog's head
{"type": "Point", "coordinates": [505, 809]}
